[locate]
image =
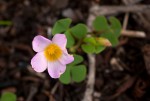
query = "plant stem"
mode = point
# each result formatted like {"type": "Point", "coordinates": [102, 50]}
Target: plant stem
{"type": "Point", "coordinates": [73, 49]}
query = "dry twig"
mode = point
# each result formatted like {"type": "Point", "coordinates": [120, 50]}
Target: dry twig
{"type": "Point", "coordinates": [33, 91]}
{"type": "Point", "coordinates": [125, 21]}
{"type": "Point", "coordinates": [131, 33]}
{"type": "Point", "coordinates": [54, 88]}
{"type": "Point", "coordinates": [91, 79]}
{"type": "Point", "coordinates": [109, 10]}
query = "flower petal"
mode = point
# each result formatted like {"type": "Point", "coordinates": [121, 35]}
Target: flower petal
{"type": "Point", "coordinates": [66, 58]}
{"type": "Point", "coordinates": [60, 40]}
{"type": "Point", "coordinates": [39, 62]}
{"type": "Point", "coordinates": [55, 69]}
{"type": "Point", "coordinates": [39, 43]}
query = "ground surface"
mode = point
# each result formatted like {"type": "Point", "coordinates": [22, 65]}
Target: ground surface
{"type": "Point", "coordinates": [122, 73]}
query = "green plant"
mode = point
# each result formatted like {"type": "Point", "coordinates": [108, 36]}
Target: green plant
{"type": "Point", "coordinates": [8, 96]}
{"type": "Point", "coordinates": [105, 34]}
{"type": "Point", "coordinates": [5, 22]}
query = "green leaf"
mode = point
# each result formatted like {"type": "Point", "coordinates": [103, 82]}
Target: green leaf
{"type": "Point", "coordinates": [70, 39]}
{"type": "Point", "coordinates": [78, 73]}
{"type": "Point", "coordinates": [100, 23]}
{"type": "Point", "coordinates": [74, 72]}
{"type": "Point", "coordinates": [113, 32]}
{"type": "Point", "coordinates": [111, 37]}
{"type": "Point", "coordinates": [77, 59]}
{"type": "Point", "coordinates": [8, 96]}
{"type": "Point", "coordinates": [79, 31]}
{"type": "Point", "coordinates": [61, 26]}
{"type": "Point", "coordinates": [65, 78]}
{"type": "Point", "coordinates": [99, 49]}
{"type": "Point", "coordinates": [90, 40]}
{"type": "Point", "coordinates": [88, 48]}
{"type": "Point", "coordinates": [4, 22]}
{"type": "Point", "coordinates": [115, 26]}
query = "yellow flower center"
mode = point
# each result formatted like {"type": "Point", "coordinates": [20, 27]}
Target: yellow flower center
{"type": "Point", "coordinates": [52, 52]}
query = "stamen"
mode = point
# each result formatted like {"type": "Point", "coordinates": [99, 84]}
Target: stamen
{"type": "Point", "coordinates": [53, 52]}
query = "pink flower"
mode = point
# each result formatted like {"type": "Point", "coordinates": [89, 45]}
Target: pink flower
{"type": "Point", "coordinates": [51, 55]}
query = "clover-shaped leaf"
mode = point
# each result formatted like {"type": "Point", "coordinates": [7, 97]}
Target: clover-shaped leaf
{"type": "Point", "coordinates": [8, 96]}
{"type": "Point", "coordinates": [77, 59]}
{"type": "Point", "coordinates": [100, 24]}
{"type": "Point", "coordinates": [61, 26]}
{"type": "Point", "coordinates": [92, 46]}
{"type": "Point", "coordinates": [90, 40]}
{"type": "Point", "coordinates": [115, 25]}
{"type": "Point", "coordinates": [99, 48]}
{"type": "Point", "coordinates": [111, 32]}
{"type": "Point", "coordinates": [74, 71]}
{"type": "Point", "coordinates": [65, 78]}
{"type": "Point", "coordinates": [114, 32]}
{"type": "Point", "coordinates": [79, 31]}
{"type": "Point", "coordinates": [88, 48]}
{"type": "Point", "coordinates": [111, 37]}
{"type": "Point", "coordinates": [70, 39]}
{"type": "Point", "coordinates": [78, 73]}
